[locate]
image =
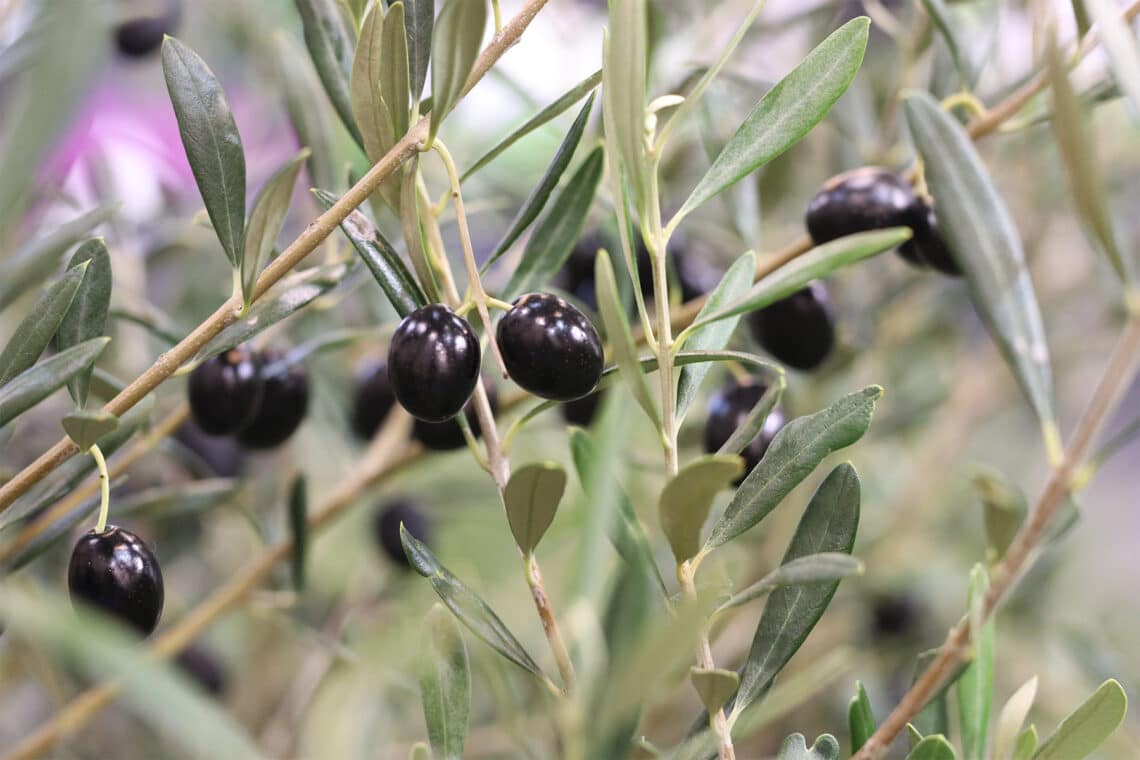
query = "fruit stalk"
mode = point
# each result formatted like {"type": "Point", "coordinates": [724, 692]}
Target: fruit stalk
{"type": "Point", "coordinates": [104, 487]}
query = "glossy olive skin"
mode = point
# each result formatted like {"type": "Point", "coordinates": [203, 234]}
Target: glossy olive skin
{"type": "Point", "coordinates": [433, 363]}
{"type": "Point", "coordinates": [207, 670]}
{"type": "Point", "coordinates": [799, 331]}
{"type": "Point", "coordinates": [224, 392]}
{"type": "Point", "coordinates": [117, 573]}
{"type": "Point", "coordinates": [581, 411]}
{"type": "Point", "coordinates": [371, 400]}
{"type": "Point", "coordinates": [928, 244]}
{"type": "Point", "coordinates": [386, 529]}
{"type": "Point", "coordinates": [139, 37]}
{"type": "Point", "coordinates": [864, 199]}
{"type": "Point", "coordinates": [448, 436]}
{"type": "Point", "coordinates": [550, 348]}
{"type": "Point", "coordinates": [284, 403]}
{"type": "Point", "coordinates": [727, 410]}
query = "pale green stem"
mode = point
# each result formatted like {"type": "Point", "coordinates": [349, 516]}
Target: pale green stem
{"type": "Point", "coordinates": [104, 488]}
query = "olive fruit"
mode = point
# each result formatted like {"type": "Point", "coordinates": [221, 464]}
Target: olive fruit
{"type": "Point", "coordinates": [140, 36]}
{"type": "Point", "coordinates": [727, 410]}
{"type": "Point", "coordinates": [447, 435]}
{"type": "Point", "coordinates": [550, 348]}
{"type": "Point", "coordinates": [864, 199]}
{"type": "Point", "coordinates": [215, 456]}
{"type": "Point", "coordinates": [894, 614]}
{"type": "Point", "coordinates": [117, 573]}
{"type": "Point", "coordinates": [799, 330]}
{"type": "Point", "coordinates": [581, 411]}
{"type": "Point", "coordinates": [284, 402]}
{"type": "Point", "coordinates": [386, 529]}
{"type": "Point", "coordinates": [928, 244]}
{"type": "Point", "coordinates": [202, 666]}
{"type": "Point", "coordinates": [372, 400]}
{"type": "Point", "coordinates": [433, 363]}
{"type": "Point", "coordinates": [224, 392]}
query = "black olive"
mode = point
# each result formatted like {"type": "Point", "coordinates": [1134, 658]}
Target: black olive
{"type": "Point", "coordinates": [929, 245]}
{"type": "Point", "coordinates": [224, 392]}
{"type": "Point", "coordinates": [799, 330]}
{"type": "Point", "coordinates": [372, 400]}
{"type": "Point", "coordinates": [728, 408]}
{"type": "Point", "coordinates": [863, 199]}
{"type": "Point", "coordinates": [550, 348]}
{"type": "Point", "coordinates": [447, 436]}
{"type": "Point", "coordinates": [433, 363]}
{"type": "Point", "coordinates": [117, 573]}
{"type": "Point", "coordinates": [283, 405]}
{"type": "Point", "coordinates": [581, 411]}
{"type": "Point", "coordinates": [207, 670]}
{"type": "Point", "coordinates": [386, 529]}
{"type": "Point", "coordinates": [141, 36]}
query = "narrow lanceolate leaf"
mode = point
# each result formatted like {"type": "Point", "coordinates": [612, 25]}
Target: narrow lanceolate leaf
{"type": "Point", "coordinates": [266, 219]}
{"type": "Point", "coordinates": [193, 498]}
{"type": "Point", "coordinates": [715, 686]}
{"type": "Point", "coordinates": [1118, 39]}
{"type": "Point", "coordinates": [87, 316]}
{"type": "Point", "coordinates": [796, 450]}
{"type": "Point", "coordinates": [787, 112]}
{"type": "Point", "coordinates": [816, 263]}
{"type": "Point", "coordinates": [394, 69]}
{"type": "Point", "coordinates": [466, 605]}
{"type": "Point", "coordinates": [331, 44]}
{"type": "Point", "coordinates": [828, 525]}
{"type": "Point", "coordinates": [552, 111]}
{"type": "Point", "coordinates": [624, 63]}
{"type": "Point", "coordinates": [536, 201]}
{"type": "Point", "coordinates": [531, 499]}
{"type": "Point", "coordinates": [292, 294]}
{"type": "Point", "coordinates": [982, 236]}
{"type": "Point", "coordinates": [621, 340]}
{"type": "Point", "coordinates": [975, 687]}
{"type": "Point", "coordinates": [555, 236]}
{"type": "Point", "coordinates": [1026, 744]}
{"type": "Point", "coordinates": [795, 748]}
{"type": "Point", "coordinates": [687, 497]}
{"type": "Point", "coordinates": [212, 143]}
{"type": "Point", "coordinates": [410, 211]}
{"type": "Point", "coordinates": [36, 383]}
{"type": "Point", "coordinates": [381, 258]}
{"type": "Point", "coordinates": [36, 330]}
{"type": "Point", "coordinates": [1087, 727]}
{"type": "Point", "coordinates": [419, 20]}
{"type": "Point", "coordinates": [747, 430]}
{"type": "Point", "coordinates": [1004, 508]}
{"type": "Point", "coordinates": [368, 106]}
{"type": "Point", "coordinates": [445, 685]}
{"type": "Point", "coordinates": [714, 337]}
{"type": "Point", "coordinates": [1011, 719]}
{"type": "Point", "coordinates": [814, 568]}
{"type": "Point", "coordinates": [305, 103]}
{"type": "Point", "coordinates": [939, 14]}
{"type": "Point", "coordinates": [455, 46]}
{"type": "Point", "coordinates": [85, 428]}
{"type": "Point", "coordinates": [299, 529]}
{"type": "Point", "coordinates": [860, 718]}
{"type": "Point", "coordinates": [933, 748]}
{"type": "Point", "coordinates": [419, 751]}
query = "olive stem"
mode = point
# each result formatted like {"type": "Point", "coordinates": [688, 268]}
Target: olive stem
{"type": "Point", "coordinates": [717, 721]}
{"type": "Point", "coordinates": [498, 16]}
{"type": "Point", "coordinates": [104, 487]}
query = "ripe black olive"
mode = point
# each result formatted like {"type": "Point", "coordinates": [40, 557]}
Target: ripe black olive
{"type": "Point", "coordinates": [728, 409]}
{"type": "Point", "coordinates": [283, 405]}
{"type": "Point", "coordinates": [894, 614]}
{"type": "Point", "coordinates": [447, 435]}
{"type": "Point", "coordinates": [206, 669]}
{"type": "Point", "coordinates": [224, 392]}
{"type": "Point", "coordinates": [372, 400]}
{"type": "Point", "coordinates": [386, 529]}
{"type": "Point", "coordinates": [929, 245]}
{"type": "Point", "coordinates": [116, 572]}
{"type": "Point", "coordinates": [141, 36]}
{"type": "Point", "coordinates": [581, 411]}
{"type": "Point", "coordinates": [433, 363]}
{"type": "Point", "coordinates": [222, 457]}
{"type": "Point", "coordinates": [799, 330]}
{"type": "Point", "coordinates": [550, 348]}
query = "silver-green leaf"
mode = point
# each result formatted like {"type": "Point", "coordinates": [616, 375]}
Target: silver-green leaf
{"type": "Point", "coordinates": [331, 44]}
{"type": "Point", "coordinates": [860, 718]}
{"type": "Point", "coordinates": [624, 63]}
{"type": "Point", "coordinates": [34, 333]}
{"type": "Point", "coordinates": [266, 219]}
{"type": "Point", "coordinates": [620, 337]}
{"type": "Point", "coordinates": [531, 499]}
{"type": "Point", "coordinates": [814, 568]}
{"type": "Point", "coordinates": [419, 21]}
{"type": "Point", "coordinates": [455, 46]}
{"type": "Point", "coordinates": [933, 748]}
{"type": "Point", "coordinates": [1087, 727]}
{"type": "Point", "coordinates": [86, 427]}
{"type": "Point", "coordinates": [38, 382]}
{"type": "Point", "coordinates": [975, 687]}
{"type": "Point", "coordinates": [445, 684]}
{"type": "Point", "coordinates": [687, 497]}
{"type": "Point", "coordinates": [87, 316]}
{"type": "Point", "coordinates": [715, 686]}
{"type": "Point", "coordinates": [305, 103]}
{"type": "Point", "coordinates": [795, 748]}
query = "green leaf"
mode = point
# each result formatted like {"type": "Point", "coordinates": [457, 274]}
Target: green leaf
{"type": "Point", "coordinates": [714, 686]}
{"type": "Point", "coordinates": [1011, 719]}
{"type": "Point", "coordinates": [1087, 727]}
{"type": "Point", "coordinates": [87, 316]}
{"type": "Point", "coordinates": [445, 684]}
{"type": "Point", "coordinates": [213, 145]}
{"type": "Point", "coordinates": [266, 219]}
{"type": "Point", "coordinates": [193, 498]}
{"type": "Point", "coordinates": [305, 103]}
{"type": "Point", "coordinates": [624, 63]}
{"type": "Point", "coordinates": [419, 21]}
{"type": "Point", "coordinates": [1119, 41]}
{"type": "Point", "coordinates": [981, 234]}
{"type": "Point", "coordinates": [747, 430]}
{"type": "Point", "coordinates": [939, 14]}
{"type": "Point", "coordinates": [552, 111]}
{"type": "Point", "coordinates": [796, 450]}
{"type": "Point", "coordinates": [975, 688]}
{"type": "Point", "coordinates": [621, 340]}
{"type": "Point", "coordinates": [814, 568]}
{"type": "Point", "coordinates": [331, 46]}
{"type": "Point", "coordinates": [299, 529]}
{"type": "Point", "coordinates": [1085, 181]}
{"type": "Point", "coordinates": [860, 718]}
{"type": "Point", "coordinates": [455, 46]}
{"type": "Point", "coordinates": [36, 383]}
{"type": "Point", "coordinates": [292, 294]}
{"type": "Point", "coordinates": [368, 106]}
{"type": "Point", "coordinates": [381, 258]}
{"type": "Point", "coordinates": [732, 286]}
{"type": "Point", "coordinates": [795, 748]}
{"type": "Point", "coordinates": [1004, 507]}
{"type": "Point", "coordinates": [104, 650]}
{"type": "Point", "coordinates": [85, 428]}
{"type": "Point", "coordinates": [816, 263]}
{"type": "Point", "coordinates": [531, 499]}
{"type": "Point", "coordinates": [933, 748]}
{"type": "Point", "coordinates": [554, 237]}
{"type": "Point", "coordinates": [466, 605]}
{"type": "Point", "coordinates": [787, 112]}
{"type": "Point", "coordinates": [1026, 744]}
{"type": "Point", "coordinates": [413, 231]}
{"type": "Point", "coordinates": [394, 70]}
{"type": "Point", "coordinates": [419, 751]}
{"type": "Point", "coordinates": [538, 197]}
{"type": "Point", "coordinates": [36, 260]}
{"type": "Point", "coordinates": [687, 497]}
{"type": "Point", "coordinates": [36, 330]}
{"type": "Point", "coordinates": [828, 525]}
